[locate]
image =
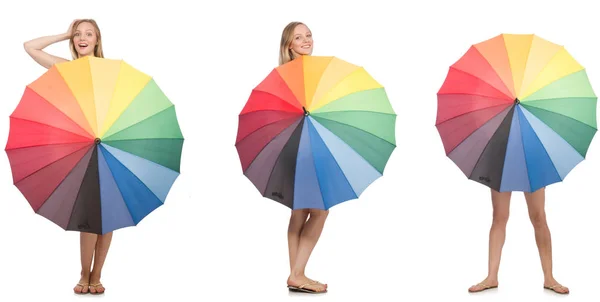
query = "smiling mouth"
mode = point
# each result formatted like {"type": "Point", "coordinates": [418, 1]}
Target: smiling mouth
{"type": "Point", "coordinates": [306, 46]}
{"type": "Point", "coordinates": [83, 45]}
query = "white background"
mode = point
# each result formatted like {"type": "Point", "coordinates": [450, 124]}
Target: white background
{"type": "Point", "coordinates": [417, 234]}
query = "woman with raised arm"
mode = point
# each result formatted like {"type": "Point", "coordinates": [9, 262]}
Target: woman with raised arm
{"type": "Point", "coordinates": [84, 40]}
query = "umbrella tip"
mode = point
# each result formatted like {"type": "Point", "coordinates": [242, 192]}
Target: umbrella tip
{"type": "Point", "coordinates": [517, 101]}
{"type": "Point", "coordinates": [305, 111]}
{"type": "Point", "coordinates": [97, 141]}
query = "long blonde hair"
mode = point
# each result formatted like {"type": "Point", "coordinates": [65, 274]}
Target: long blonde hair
{"type": "Point", "coordinates": [97, 49]}
{"type": "Point", "coordinates": [285, 53]}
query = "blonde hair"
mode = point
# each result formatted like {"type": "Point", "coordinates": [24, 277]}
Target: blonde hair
{"type": "Point", "coordinates": [285, 53]}
{"type": "Point", "coordinates": [97, 49]}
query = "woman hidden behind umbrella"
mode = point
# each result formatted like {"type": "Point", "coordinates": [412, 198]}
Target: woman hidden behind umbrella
{"type": "Point", "coordinates": [305, 225]}
{"type": "Point", "coordinates": [84, 40]}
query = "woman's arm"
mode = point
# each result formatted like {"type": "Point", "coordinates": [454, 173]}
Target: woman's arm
{"type": "Point", "coordinates": [35, 48]}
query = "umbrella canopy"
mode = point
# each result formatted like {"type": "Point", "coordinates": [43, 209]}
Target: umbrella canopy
{"type": "Point", "coordinates": [516, 113]}
{"type": "Point", "coordinates": [317, 131]}
{"type": "Point", "coordinates": [94, 145]}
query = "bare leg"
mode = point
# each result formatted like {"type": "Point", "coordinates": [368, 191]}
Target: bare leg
{"type": "Point", "coordinates": [102, 246]}
{"type": "Point", "coordinates": [297, 221]}
{"type": "Point", "coordinates": [501, 206]}
{"type": "Point", "coordinates": [537, 215]}
{"type": "Point", "coordinates": [86, 245]}
{"type": "Point", "coordinates": [308, 239]}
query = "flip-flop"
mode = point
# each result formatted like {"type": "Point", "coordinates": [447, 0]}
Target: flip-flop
{"type": "Point", "coordinates": [485, 287]}
{"type": "Point", "coordinates": [552, 288]}
{"type": "Point", "coordinates": [302, 288]}
{"type": "Point", "coordinates": [83, 285]}
{"type": "Point", "coordinates": [96, 288]}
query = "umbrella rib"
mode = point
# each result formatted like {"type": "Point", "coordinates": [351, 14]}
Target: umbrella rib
{"type": "Point", "coordinates": [49, 126]}
{"type": "Point", "coordinates": [316, 109]}
{"type": "Point", "coordinates": [267, 110]}
{"type": "Point", "coordinates": [488, 142]}
{"type": "Point", "coordinates": [540, 72]}
{"type": "Point", "coordinates": [490, 85]}
{"type": "Point", "coordinates": [46, 144]}
{"type": "Point", "coordinates": [525, 101]}
{"type": "Point", "coordinates": [47, 165]}
{"type": "Point", "coordinates": [136, 175]}
{"type": "Point", "coordinates": [335, 160]}
{"type": "Point", "coordinates": [338, 84]}
{"type": "Point", "coordinates": [79, 190]}
{"type": "Point", "coordinates": [140, 121]}
{"type": "Point", "coordinates": [467, 94]}
{"type": "Point", "coordinates": [365, 145]}
{"type": "Point", "coordinates": [315, 168]}
{"type": "Point", "coordinates": [263, 126]}
{"type": "Point", "coordinates": [60, 183]}
{"type": "Point", "coordinates": [463, 140]}
{"type": "Point", "coordinates": [364, 111]}
{"type": "Point", "coordinates": [238, 140]}
{"type": "Point", "coordinates": [64, 114]}
{"type": "Point", "coordinates": [365, 131]}
{"type": "Point", "coordinates": [278, 156]}
{"type": "Point", "coordinates": [116, 184]}
{"type": "Point", "coordinates": [544, 147]}
{"type": "Point", "coordinates": [298, 106]}
{"type": "Point", "coordinates": [143, 139]}
{"type": "Point", "coordinates": [481, 109]}
{"type": "Point", "coordinates": [524, 152]}
{"type": "Point", "coordinates": [554, 112]}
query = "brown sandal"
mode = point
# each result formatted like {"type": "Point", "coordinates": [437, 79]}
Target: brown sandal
{"type": "Point", "coordinates": [302, 288]}
{"type": "Point", "coordinates": [485, 287]}
{"type": "Point", "coordinates": [553, 288]}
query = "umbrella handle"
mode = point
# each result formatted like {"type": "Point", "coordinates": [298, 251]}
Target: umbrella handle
{"type": "Point", "coordinates": [305, 111]}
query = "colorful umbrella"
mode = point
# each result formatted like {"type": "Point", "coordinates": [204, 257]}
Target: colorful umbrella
{"type": "Point", "coordinates": [516, 113]}
{"type": "Point", "coordinates": [94, 145]}
{"type": "Point", "coordinates": [315, 132]}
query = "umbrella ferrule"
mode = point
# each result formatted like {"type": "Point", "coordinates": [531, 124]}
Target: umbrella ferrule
{"type": "Point", "coordinates": [305, 111]}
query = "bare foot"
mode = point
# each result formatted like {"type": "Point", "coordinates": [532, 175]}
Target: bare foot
{"type": "Point", "coordinates": [315, 281]}
{"type": "Point", "coordinates": [483, 285]}
{"type": "Point", "coordinates": [95, 285]}
{"type": "Point", "coordinates": [82, 285]}
{"type": "Point", "coordinates": [553, 285]}
{"type": "Point", "coordinates": [306, 283]}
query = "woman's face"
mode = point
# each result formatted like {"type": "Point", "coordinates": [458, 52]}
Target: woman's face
{"type": "Point", "coordinates": [302, 42]}
{"type": "Point", "coordinates": [85, 39]}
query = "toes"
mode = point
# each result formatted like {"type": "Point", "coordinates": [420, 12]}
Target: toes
{"type": "Point", "coordinates": [476, 288]}
{"type": "Point", "coordinates": [80, 289]}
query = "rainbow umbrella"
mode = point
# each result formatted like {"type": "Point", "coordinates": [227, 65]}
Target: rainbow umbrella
{"type": "Point", "coordinates": [516, 113]}
{"type": "Point", "coordinates": [317, 131]}
{"type": "Point", "coordinates": [94, 145]}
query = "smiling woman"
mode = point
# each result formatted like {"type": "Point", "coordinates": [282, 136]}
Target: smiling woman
{"type": "Point", "coordinates": [296, 40]}
{"type": "Point", "coordinates": [84, 40]}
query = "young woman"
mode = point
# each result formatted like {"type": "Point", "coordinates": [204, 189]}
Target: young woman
{"type": "Point", "coordinates": [305, 225]}
{"type": "Point", "coordinates": [537, 215]}
{"type": "Point", "coordinates": [84, 40]}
